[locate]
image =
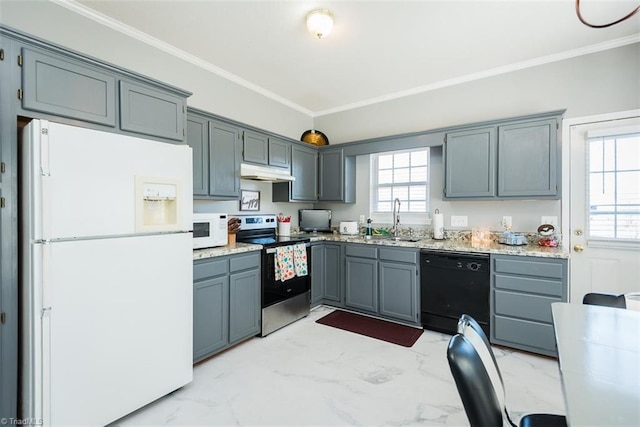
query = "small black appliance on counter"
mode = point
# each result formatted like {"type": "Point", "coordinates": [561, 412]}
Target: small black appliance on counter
{"type": "Point", "coordinates": [314, 220]}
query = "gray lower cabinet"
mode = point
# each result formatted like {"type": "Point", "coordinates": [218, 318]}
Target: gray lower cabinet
{"type": "Point", "coordinates": [304, 167]}
{"type": "Point", "coordinates": [399, 290]}
{"type": "Point", "coordinates": [226, 302]}
{"type": "Point", "coordinates": [511, 159]}
{"type": "Point", "coordinates": [337, 177]}
{"type": "Point", "coordinates": [361, 284]}
{"type": "Point", "coordinates": [382, 280]}
{"type": "Point", "coordinates": [522, 290]}
{"type": "Point", "coordinates": [326, 277]}
{"type": "Point", "coordinates": [51, 84]}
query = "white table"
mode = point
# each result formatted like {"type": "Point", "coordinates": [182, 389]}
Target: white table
{"type": "Point", "coordinates": [599, 356]}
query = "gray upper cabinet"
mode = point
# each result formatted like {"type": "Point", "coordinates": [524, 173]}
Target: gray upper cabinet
{"type": "Point", "coordinates": [266, 150]}
{"type": "Point", "coordinates": [337, 176]}
{"type": "Point", "coordinates": [527, 156]}
{"type": "Point", "coordinates": [148, 111]}
{"type": "Point", "coordinates": [217, 151]}
{"type": "Point", "coordinates": [224, 160]}
{"type": "Point", "coordinates": [304, 167]}
{"type": "Point", "coordinates": [470, 163]}
{"type": "Point", "coordinates": [51, 84]}
{"type": "Point", "coordinates": [255, 148]}
{"type": "Point", "coordinates": [513, 159]}
{"type": "Point", "coordinates": [279, 153]}
{"type": "Point", "coordinates": [198, 140]}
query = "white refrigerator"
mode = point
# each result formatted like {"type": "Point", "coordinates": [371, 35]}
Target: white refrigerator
{"type": "Point", "coordinates": [106, 273]}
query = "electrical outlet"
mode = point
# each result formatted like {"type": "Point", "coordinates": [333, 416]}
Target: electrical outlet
{"type": "Point", "coordinates": [507, 222]}
{"type": "Point", "coordinates": [553, 220]}
{"type": "Point", "coordinates": [458, 221]}
{"type": "Point", "coordinates": [361, 219]}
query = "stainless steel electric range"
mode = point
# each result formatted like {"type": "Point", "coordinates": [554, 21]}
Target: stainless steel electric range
{"type": "Point", "coordinates": [282, 302]}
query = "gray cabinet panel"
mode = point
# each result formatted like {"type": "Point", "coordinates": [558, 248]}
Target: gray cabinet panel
{"type": "Point", "coordinates": [244, 305]}
{"type": "Point", "coordinates": [67, 88]}
{"type": "Point", "coordinates": [409, 256]}
{"type": "Point", "coordinates": [470, 163]}
{"type": "Point", "coordinates": [244, 261]}
{"type": "Point", "coordinates": [361, 282]}
{"type": "Point", "coordinates": [529, 284]}
{"type": "Point", "coordinates": [279, 153]}
{"type": "Point", "coordinates": [398, 291]}
{"type": "Point", "coordinates": [210, 268]}
{"type": "Point", "coordinates": [304, 167]}
{"type": "Point", "coordinates": [539, 336]}
{"type": "Point", "coordinates": [198, 140]}
{"type": "Point", "coordinates": [337, 176]}
{"type": "Point", "coordinates": [224, 160]}
{"type": "Point", "coordinates": [151, 112]}
{"type": "Point", "coordinates": [539, 267]}
{"type": "Point", "coordinates": [318, 269]}
{"type": "Point", "coordinates": [527, 154]}
{"type": "Point", "coordinates": [530, 307]}
{"type": "Point", "coordinates": [210, 316]}
{"type": "Point", "coordinates": [333, 273]}
{"type": "Point", "coordinates": [255, 148]}
{"type": "Point", "coordinates": [522, 290]}
{"type": "Point", "coordinates": [362, 251]}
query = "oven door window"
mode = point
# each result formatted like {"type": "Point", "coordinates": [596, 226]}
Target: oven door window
{"type": "Point", "coordinates": [275, 291]}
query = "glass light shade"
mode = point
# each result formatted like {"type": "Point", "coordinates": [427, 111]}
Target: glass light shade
{"type": "Point", "coordinates": [320, 22]}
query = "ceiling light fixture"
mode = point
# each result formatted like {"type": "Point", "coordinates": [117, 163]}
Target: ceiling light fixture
{"type": "Point", "coordinates": [320, 22]}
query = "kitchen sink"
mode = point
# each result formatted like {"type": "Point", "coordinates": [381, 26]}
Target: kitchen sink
{"type": "Point", "coordinates": [396, 239]}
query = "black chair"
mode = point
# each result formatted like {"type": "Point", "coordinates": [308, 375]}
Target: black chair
{"type": "Point", "coordinates": [480, 383]}
{"type": "Point", "coordinates": [609, 300]}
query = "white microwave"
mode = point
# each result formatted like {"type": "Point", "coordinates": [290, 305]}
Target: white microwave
{"type": "Point", "coordinates": [209, 230]}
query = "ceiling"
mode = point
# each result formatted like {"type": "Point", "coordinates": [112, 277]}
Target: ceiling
{"type": "Point", "coordinates": [378, 50]}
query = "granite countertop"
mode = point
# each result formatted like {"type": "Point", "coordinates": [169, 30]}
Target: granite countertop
{"type": "Point", "coordinates": [234, 248]}
{"type": "Point", "coordinates": [448, 245]}
{"type": "Point", "coordinates": [442, 245]}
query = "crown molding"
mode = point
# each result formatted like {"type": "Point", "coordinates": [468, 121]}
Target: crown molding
{"type": "Point", "coordinates": [172, 50]}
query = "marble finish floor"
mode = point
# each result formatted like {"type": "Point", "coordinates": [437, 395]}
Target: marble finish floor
{"type": "Point", "coordinates": [308, 374]}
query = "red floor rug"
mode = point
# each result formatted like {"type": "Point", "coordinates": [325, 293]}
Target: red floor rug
{"type": "Point", "coordinates": [375, 328]}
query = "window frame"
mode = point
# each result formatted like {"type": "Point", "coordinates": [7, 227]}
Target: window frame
{"type": "Point", "coordinates": [603, 136]}
{"type": "Point", "coordinates": [406, 218]}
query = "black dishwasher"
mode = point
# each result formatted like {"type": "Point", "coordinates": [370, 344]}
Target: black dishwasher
{"type": "Point", "coordinates": [452, 284]}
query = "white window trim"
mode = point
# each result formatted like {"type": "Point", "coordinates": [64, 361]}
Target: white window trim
{"type": "Point", "coordinates": [406, 218]}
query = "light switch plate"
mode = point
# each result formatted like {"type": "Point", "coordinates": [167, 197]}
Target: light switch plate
{"type": "Point", "coordinates": [459, 220]}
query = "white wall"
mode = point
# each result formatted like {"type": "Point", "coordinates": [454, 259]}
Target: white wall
{"type": "Point", "coordinates": [266, 205]}
{"type": "Point", "coordinates": [210, 92]}
{"type": "Point", "coordinates": [601, 82]}
{"type": "Point", "coordinates": [525, 213]}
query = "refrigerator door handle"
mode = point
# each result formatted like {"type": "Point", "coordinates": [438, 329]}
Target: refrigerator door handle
{"type": "Point", "coordinates": [44, 149]}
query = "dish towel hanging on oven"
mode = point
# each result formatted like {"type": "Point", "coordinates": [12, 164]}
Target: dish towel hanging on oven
{"type": "Point", "coordinates": [290, 261]}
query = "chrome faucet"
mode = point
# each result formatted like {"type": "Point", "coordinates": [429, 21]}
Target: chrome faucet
{"type": "Point", "coordinates": [396, 217]}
